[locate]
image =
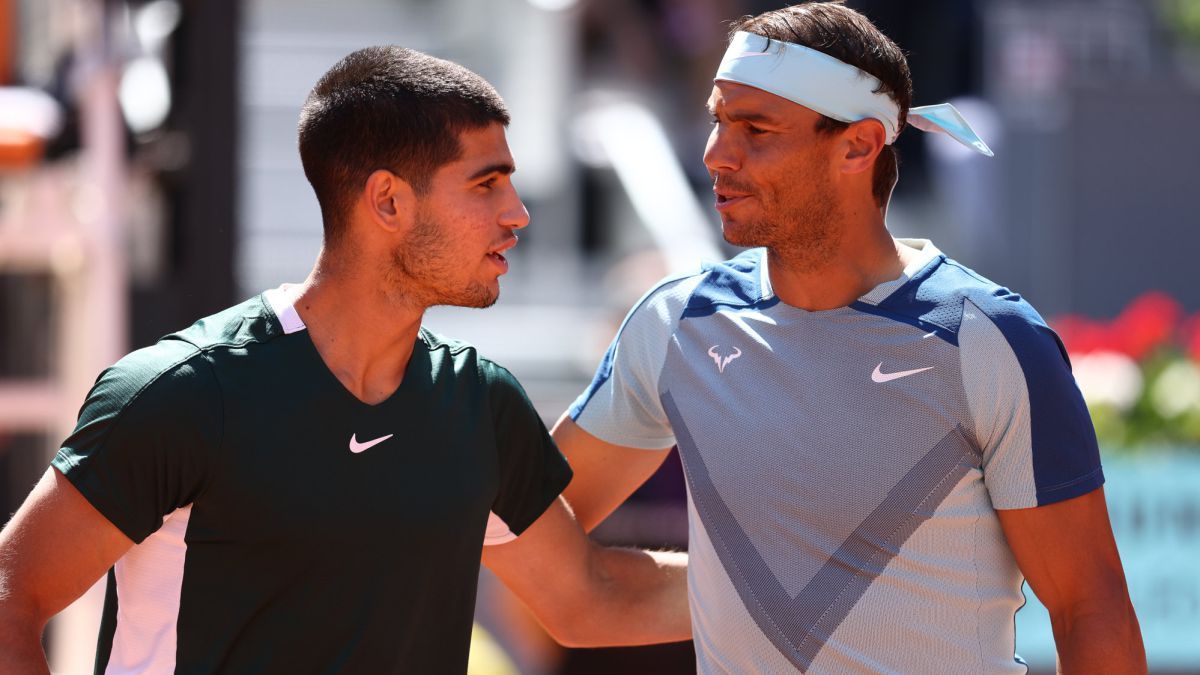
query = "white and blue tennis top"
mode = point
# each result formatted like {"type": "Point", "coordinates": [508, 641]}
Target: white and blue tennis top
{"type": "Point", "coordinates": [844, 466]}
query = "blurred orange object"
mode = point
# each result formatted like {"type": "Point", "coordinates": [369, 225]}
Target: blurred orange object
{"type": "Point", "coordinates": [19, 149]}
{"type": "Point", "coordinates": [28, 117]}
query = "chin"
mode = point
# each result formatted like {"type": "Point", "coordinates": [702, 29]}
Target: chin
{"type": "Point", "coordinates": [479, 297]}
{"type": "Point", "coordinates": [487, 300]}
{"type": "Point", "coordinates": [741, 235]}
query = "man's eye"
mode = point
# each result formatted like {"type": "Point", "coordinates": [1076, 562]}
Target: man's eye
{"type": "Point", "coordinates": [489, 183]}
{"type": "Point", "coordinates": [755, 131]}
{"type": "Point", "coordinates": [713, 121]}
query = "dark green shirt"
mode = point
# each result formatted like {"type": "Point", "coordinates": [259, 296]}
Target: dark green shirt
{"type": "Point", "coordinates": [284, 526]}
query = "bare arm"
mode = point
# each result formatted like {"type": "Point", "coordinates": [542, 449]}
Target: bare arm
{"type": "Point", "coordinates": [1067, 553]}
{"type": "Point", "coordinates": [605, 474]}
{"type": "Point", "coordinates": [587, 595]}
{"type": "Point", "coordinates": [54, 548]}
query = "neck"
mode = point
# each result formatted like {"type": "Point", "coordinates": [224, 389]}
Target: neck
{"type": "Point", "coordinates": [364, 334]}
{"type": "Point", "coordinates": [864, 256]}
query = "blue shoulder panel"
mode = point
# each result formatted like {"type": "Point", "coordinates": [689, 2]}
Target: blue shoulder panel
{"type": "Point", "coordinates": [603, 372]}
{"type": "Point", "coordinates": [733, 283]}
{"type": "Point", "coordinates": [1066, 457]}
{"type": "Point", "coordinates": [930, 300]}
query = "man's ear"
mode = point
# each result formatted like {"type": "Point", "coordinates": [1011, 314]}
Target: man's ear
{"type": "Point", "coordinates": [389, 200]}
{"type": "Point", "coordinates": [863, 141]}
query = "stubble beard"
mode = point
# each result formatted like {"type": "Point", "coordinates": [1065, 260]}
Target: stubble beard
{"type": "Point", "coordinates": [424, 269]}
{"type": "Point", "coordinates": [805, 233]}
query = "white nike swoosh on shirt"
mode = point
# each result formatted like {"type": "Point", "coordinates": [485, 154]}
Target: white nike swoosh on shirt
{"type": "Point", "coordinates": [357, 447]}
{"type": "Point", "coordinates": [880, 376]}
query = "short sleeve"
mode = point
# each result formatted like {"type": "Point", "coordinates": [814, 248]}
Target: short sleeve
{"type": "Point", "coordinates": [1039, 445]}
{"type": "Point", "coordinates": [623, 405]}
{"type": "Point", "coordinates": [144, 438]}
{"type": "Point", "coordinates": [532, 470]}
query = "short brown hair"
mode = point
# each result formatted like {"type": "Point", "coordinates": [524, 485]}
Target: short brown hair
{"type": "Point", "coordinates": [387, 108]}
{"type": "Point", "coordinates": [850, 37]}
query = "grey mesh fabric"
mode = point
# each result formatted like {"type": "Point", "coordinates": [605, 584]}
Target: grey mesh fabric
{"type": "Point", "coordinates": [844, 466]}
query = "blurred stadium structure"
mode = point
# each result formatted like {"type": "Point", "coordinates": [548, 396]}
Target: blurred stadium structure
{"type": "Point", "coordinates": [149, 177]}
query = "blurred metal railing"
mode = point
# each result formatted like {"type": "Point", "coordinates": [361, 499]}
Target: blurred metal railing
{"type": "Point", "coordinates": [67, 222]}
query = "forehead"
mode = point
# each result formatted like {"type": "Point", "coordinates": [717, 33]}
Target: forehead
{"type": "Point", "coordinates": [739, 100]}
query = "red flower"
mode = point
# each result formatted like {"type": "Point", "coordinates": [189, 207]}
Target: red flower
{"type": "Point", "coordinates": [1081, 335]}
{"type": "Point", "coordinates": [1146, 324]}
{"type": "Point", "coordinates": [1189, 335]}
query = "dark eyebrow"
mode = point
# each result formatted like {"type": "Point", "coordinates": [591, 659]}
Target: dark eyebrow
{"type": "Point", "coordinates": [502, 168]}
{"type": "Point", "coordinates": [751, 117]}
{"type": "Point", "coordinates": [743, 116]}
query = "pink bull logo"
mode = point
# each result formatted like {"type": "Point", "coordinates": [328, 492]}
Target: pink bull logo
{"type": "Point", "coordinates": [722, 361]}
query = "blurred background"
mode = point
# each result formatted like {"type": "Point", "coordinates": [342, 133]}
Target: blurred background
{"type": "Point", "coordinates": [149, 176]}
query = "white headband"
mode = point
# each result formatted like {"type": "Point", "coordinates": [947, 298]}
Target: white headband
{"type": "Point", "coordinates": [833, 88]}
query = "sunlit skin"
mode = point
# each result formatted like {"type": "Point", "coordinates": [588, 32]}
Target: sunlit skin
{"type": "Point", "coordinates": [803, 194]}
{"type": "Point", "coordinates": [445, 245]}
{"type": "Point", "coordinates": [454, 253]}
{"type": "Point", "coordinates": [404, 252]}
{"type": "Point", "coordinates": [772, 173]}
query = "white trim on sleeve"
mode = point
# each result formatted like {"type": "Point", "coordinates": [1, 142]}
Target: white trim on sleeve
{"type": "Point", "coordinates": [497, 531]}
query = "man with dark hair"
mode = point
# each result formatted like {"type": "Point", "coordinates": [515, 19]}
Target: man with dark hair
{"type": "Point", "coordinates": [219, 475]}
{"type": "Point", "coordinates": [380, 107]}
{"type": "Point", "coordinates": [879, 444]}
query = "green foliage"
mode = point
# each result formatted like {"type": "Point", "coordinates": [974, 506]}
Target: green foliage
{"type": "Point", "coordinates": [1166, 413]}
{"type": "Point", "coordinates": [1183, 16]}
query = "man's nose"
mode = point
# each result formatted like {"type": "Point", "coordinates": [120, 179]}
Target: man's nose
{"type": "Point", "coordinates": [515, 215]}
{"type": "Point", "coordinates": [719, 153]}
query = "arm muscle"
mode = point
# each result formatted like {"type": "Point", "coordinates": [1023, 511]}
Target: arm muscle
{"type": "Point", "coordinates": [56, 546]}
{"type": "Point", "coordinates": [1067, 553]}
{"type": "Point", "coordinates": [605, 474]}
{"type": "Point", "coordinates": [588, 595]}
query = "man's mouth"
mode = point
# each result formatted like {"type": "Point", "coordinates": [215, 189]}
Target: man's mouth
{"type": "Point", "coordinates": [728, 192]}
{"type": "Point", "coordinates": [727, 199]}
{"type": "Point", "coordinates": [497, 253]}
